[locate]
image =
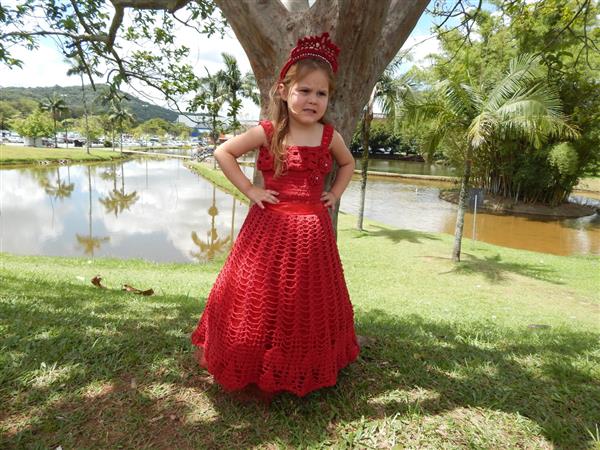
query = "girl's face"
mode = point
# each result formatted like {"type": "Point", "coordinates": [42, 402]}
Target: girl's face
{"type": "Point", "coordinates": [307, 98]}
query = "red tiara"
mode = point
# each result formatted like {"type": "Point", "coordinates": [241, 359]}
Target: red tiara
{"type": "Point", "coordinates": [319, 47]}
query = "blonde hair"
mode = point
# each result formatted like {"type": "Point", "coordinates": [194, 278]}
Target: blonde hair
{"type": "Point", "coordinates": [278, 111]}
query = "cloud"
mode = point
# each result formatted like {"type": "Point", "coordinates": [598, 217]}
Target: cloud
{"type": "Point", "coordinates": [42, 67]}
{"type": "Point", "coordinates": [420, 48]}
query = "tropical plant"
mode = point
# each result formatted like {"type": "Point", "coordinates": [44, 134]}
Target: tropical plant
{"type": "Point", "coordinates": [235, 88]}
{"type": "Point", "coordinates": [475, 121]}
{"type": "Point", "coordinates": [55, 106]}
{"type": "Point", "coordinates": [211, 97]}
{"type": "Point", "coordinates": [79, 67]}
{"type": "Point", "coordinates": [120, 117]}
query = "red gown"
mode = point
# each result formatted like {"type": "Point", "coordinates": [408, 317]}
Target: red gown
{"type": "Point", "coordinates": [279, 314]}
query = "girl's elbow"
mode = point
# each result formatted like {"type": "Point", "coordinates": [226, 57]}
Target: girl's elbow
{"type": "Point", "coordinates": [350, 164]}
{"type": "Point", "coordinates": [219, 153]}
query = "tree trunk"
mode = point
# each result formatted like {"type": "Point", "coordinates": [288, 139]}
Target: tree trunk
{"type": "Point", "coordinates": [462, 206]}
{"type": "Point", "coordinates": [366, 129]}
{"type": "Point", "coordinates": [55, 138]}
{"type": "Point", "coordinates": [85, 114]}
{"type": "Point", "coordinates": [267, 31]}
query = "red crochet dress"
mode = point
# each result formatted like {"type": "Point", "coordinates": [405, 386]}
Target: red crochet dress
{"type": "Point", "coordinates": [279, 314]}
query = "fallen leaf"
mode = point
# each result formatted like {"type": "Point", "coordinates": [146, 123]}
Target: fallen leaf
{"type": "Point", "coordinates": [96, 281]}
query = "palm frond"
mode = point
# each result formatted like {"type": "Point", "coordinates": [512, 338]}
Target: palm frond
{"type": "Point", "coordinates": [522, 72]}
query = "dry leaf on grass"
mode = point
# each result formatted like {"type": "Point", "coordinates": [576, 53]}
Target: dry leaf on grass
{"type": "Point", "coordinates": [129, 288]}
{"type": "Point", "coordinates": [96, 281]}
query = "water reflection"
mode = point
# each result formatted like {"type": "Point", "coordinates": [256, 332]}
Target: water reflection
{"type": "Point", "coordinates": [139, 209]}
{"type": "Point", "coordinates": [90, 242]}
{"type": "Point", "coordinates": [410, 167]}
{"type": "Point", "coordinates": [213, 245]}
{"type": "Point", "coordinates": [57, 189]}
{"type": "Point", "coordinates": [117, 201]}
{"type": "Point", "coordinates": [161, 211]}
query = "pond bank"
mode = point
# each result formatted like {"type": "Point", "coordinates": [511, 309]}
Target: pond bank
{"type": "Point", "coordinates": [501, 205]}
{"type": "Point", "coordinates": [13, 156]}
{"type": "Point", "coordinates": [493, 205]}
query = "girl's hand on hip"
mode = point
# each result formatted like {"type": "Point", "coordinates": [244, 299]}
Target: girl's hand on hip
{"type": "Point", "coordinates": [259, 196]}
{"type": "Point", "coordinates": [329, 198]}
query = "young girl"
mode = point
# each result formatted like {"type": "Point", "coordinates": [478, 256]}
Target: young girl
{"type": "Point", "coordinates": [279, 317]}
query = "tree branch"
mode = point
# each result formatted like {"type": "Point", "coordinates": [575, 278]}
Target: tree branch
{"type": "Point", "coordinates": [165, 5]}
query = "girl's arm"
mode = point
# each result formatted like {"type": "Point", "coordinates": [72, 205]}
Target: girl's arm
{"type": "Point", "coordinates": [226, 155]}
{"type": "Point", "coordinates": [345, 161]}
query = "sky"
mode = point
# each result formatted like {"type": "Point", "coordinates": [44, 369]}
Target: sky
{"type": "Point", "coordinates": [45, 66]}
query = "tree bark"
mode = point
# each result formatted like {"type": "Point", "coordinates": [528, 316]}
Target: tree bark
{"type": "Point", "coordinates": [267, 31]}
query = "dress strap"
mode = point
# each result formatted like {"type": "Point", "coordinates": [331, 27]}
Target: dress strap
{"type": "Point", "coordinates": [268, 127]}
{"type": "Point", "coordinates": [327, 135]}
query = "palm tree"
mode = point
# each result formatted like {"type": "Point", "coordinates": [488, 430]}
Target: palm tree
{"type": "Point", "coordinates": [211, 97]}
{"type": "Point", "coordinates": [120, 116]}
{"type": "Point", "coordinates": [473, 119]}
{"type": "Point", "coordinates": [388, 92]}
{"type": "Point", "coordinates": [65, 125]}
{"type": "Point", "coordinates": [236, 87]}
{"type": "Point", "coordinates": [113, 98]}
{"type": "Point", "coordinates": [55, 106]}
{"type": "Point", "coordinates": [78, 68]}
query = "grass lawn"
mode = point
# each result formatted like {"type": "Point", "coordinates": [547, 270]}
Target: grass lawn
{"type": "Point", "coordinates": [499, 351]}
{"type": "Point", "coordinates": [12, 155]}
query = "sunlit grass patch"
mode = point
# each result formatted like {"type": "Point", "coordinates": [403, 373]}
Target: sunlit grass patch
{"type": "Point", "coordinates": [501, 354]}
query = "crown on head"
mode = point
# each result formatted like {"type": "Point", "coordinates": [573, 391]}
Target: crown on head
{"type": "Point", "coordinates": [319, 47]}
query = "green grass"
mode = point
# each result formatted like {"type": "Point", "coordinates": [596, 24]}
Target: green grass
{"type": "Point", "coordinates": [217, 177]}
{"type": "Point", "coordinates": [13, 155]}
{"type": "Point", "coordinates": [454, 363]}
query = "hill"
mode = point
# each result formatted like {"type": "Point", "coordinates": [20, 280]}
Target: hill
{"type": "Point", "coordinates": [21, 98]}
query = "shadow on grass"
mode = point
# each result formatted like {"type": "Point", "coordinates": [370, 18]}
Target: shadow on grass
{"type": "Point", "coordinates": [85, 368]}
{"type": "Point", "coordinates": [415, 237]}
{"type": "Point", "coordinates": [496, 270]}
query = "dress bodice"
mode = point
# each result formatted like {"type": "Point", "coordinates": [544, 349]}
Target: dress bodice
{"type": "Point", "coordinates": [305, 168]}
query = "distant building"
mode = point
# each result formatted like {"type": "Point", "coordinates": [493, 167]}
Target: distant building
{"type": "Point", "coordinates": [200, 123]}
